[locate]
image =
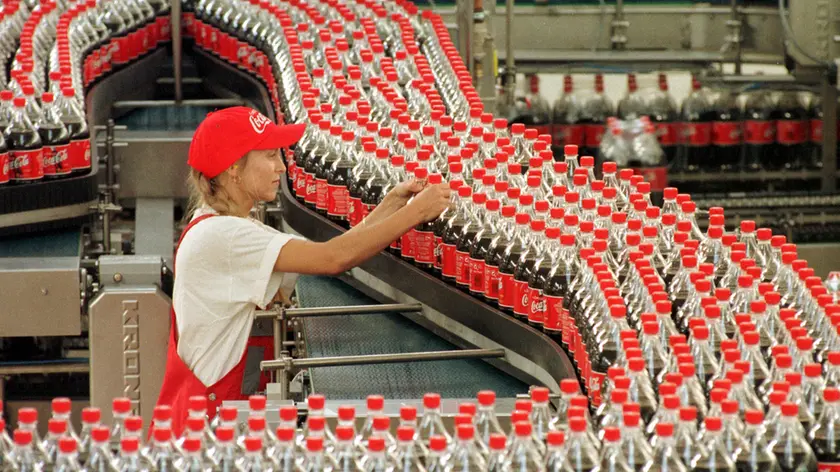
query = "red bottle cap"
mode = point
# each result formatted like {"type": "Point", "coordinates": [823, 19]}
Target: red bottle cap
{"type": "Point", "coordinates": [713, 423]}
{"type": "Point", "coordinates": [431, 400]}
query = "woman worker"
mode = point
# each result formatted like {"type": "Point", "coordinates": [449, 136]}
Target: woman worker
{"type": "Point", "coordinates": [229, 265]}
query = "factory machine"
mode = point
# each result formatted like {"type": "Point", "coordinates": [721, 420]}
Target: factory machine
{"type": "Point", "coordinates": [85, 262]}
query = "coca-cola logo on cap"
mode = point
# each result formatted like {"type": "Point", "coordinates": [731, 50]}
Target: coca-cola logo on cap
{"type": "Point", "coordinates": [258, 121]}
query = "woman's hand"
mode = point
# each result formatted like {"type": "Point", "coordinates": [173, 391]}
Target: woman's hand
{"type": "Point", "coordinates": [431, 202]}
{"type": "Point", "coordinates": [405, 190]}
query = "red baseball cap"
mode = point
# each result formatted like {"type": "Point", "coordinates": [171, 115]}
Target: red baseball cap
{"type": "Point", "coordinates": [228, 134]}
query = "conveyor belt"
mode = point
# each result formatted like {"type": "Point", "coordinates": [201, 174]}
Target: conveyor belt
{"type": "Point", "coordinates": [170, 118]}
{"type": "Point", "coordinates": [380, 334]}
{"type": "Point", "coordinates": [45, 244]}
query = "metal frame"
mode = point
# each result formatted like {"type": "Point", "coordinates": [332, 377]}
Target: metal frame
{"type": "Point", "coordinates": [284, 366]}
{"type": "Point", "coordinates": [280, 315]}
{"type": "Point", "coordinates": [700, 34]}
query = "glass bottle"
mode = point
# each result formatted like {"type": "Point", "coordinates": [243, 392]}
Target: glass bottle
{"type": "Point", "coordinates": [345, 453]}
{"type": "Point", "coordinates": [463, 456]}
{"type": "Point", "coordinates": [789, 445]}
{"type": "Point", "coordinates": [665, 456]}
{"type": "Point", "coordinates": [712, 454]}
{"type": "Point", "coordinates": [431, 423]}
{"type": "Point", "coordinates": [523, 453]}
{"type": "Point", "coordinates": [754, 455]}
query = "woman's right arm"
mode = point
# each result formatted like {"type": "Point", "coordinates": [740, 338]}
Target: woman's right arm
{"type": "Point", "coordinates": [363, 242]}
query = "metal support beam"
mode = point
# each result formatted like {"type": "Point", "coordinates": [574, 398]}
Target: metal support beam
{"type": "Point", "coordinates": [280, 316]}
{"type": "Point", "coordinates": [735, 35]}
{"type": "Point", "coordinates": [510, 65]}
{"type": "Point", "coordinates": [282, 368]}
{"type": "Point", "coordinates": [341, 310]}
{"type": "Point", "coordinates": [177, 48]}
{"type": "Point", "coordinates": [619, 26]}
{"type": "Point", "coordinates": [829, 152]}
{"type": "Point", "coordinates": [382, 358]}
{"type": "Point", "coordinates": [107, 203]}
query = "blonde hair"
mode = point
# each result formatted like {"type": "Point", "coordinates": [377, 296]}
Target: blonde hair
{"type": "Point", "coordinates": [210, 192]}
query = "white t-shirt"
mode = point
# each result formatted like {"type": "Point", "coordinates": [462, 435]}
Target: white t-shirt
{"type": "Point", "coordinates": [224, 270]}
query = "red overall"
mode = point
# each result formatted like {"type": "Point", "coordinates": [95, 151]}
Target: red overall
{"type": "Point", "coordinates": [179, 382]}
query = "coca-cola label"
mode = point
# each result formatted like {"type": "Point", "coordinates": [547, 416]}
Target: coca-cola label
{"type": "Point", "coordinates": [164, 27]}
{"type": "Point", "coordinates": [668, 134]}
{"type": "Point", "coordinates": [476, 275]}
{"type": "Point", "coordinates": [696, 134]}
{"type": "Point", "coordinates": [537, 305]}
{"type": "Point", "coordinates": [337, 200]}
{"type": "Point", "coordinates": [580, 359]}
{"type": "Point", "coordinates": [492, 282]}
{"type": "Point", "coordinates": [553, 313]}
{"type": "Point", "coordinates": [566, 329]}
{"type": "Point", "coordinates": [395, 244]}
{"type": "Point", "coordinates": [86, 69]}
{"type": "Point", "coordinates": [321, 194]}
{"type": "Point", "coordinates": [816, 129]}
{"type": "Point", "coordinates": [78, 154]}
{"type": "Point", "coordinates": [300, 183]}
{"type": "Point", "coordinates": [355, 212]}
{"type": "Point", "coordinates": [154, 34]}
{"type": "Point", "coordinates": [596, 380]}
{"type": "Point", "coordinates": [137, 40]}
{"type": "Point", "coordinates": [26, 165]}
{"type": "Point", "coordinates": [593, 135]}
{"type": "Point", "coordinates": [232, 48]}
{"type": "Point", "coordinates": [55, 160]}
{"type": "Point", "coordinates": [128, 46]}
{"type": "Point", "coordinates": [311, 193]}
{"type": "Point", "coordinates": [200, 33]}
{"type": "Point", "coordinates": [211, 38]}
{"type": "Point", "coordinates": [438, 252]}
{"type": "Point", "coordinates": [188, 22]}
{"type": "Point", "coordinates": [542, 129]}
{"type": "Point", "coordinates": [424, 247]}
{"type": "Point", "coordinates": [462, 268]}
{"type": "Point", "coordinates": [148, 37]}
{"type": "Point", "coordinates": [828, 466]}
{"type": "Point", "coordinates": [368, 209]}
{"type": "Point", "coordinates": [656, 176]}
{"type": "Point", "coordinates": [726, 133]}
{"type": "Point", "coordinates": [242, 53]}
{"type": "Point", "coordinates": [118, 50]}
{"type": "Point", "coordinates": [105, 58]}
{"type": "Point", "coordinates": [218, 42]}
{"type": "Point", "coordinates": [448, 260]}
{"type": "Point", "coordinates": [523, 300]}
{"type": "Point", "coordinates": [224, 45]}
{"type": "Point", "coordinates": [407, 245]}
{"type": "Point", "coordinates": [569, 134]}
{"type": "Point", "coordinates": [791, 132]}
{"type": "Point", "coordinates": [5, 168]}
{"type": "Point", "coordinates": [507, 291]}
{"type": "Point", "coordinates": [759, 132]}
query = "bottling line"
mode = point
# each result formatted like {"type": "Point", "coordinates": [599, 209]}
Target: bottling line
{"type": "Point", "coordinates": [86, 261]}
